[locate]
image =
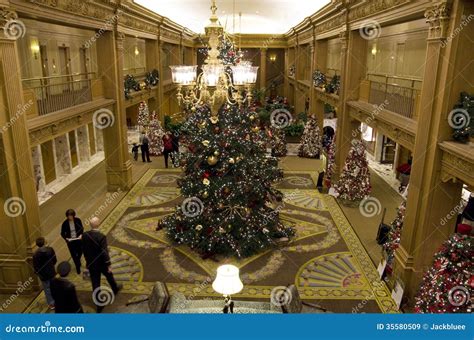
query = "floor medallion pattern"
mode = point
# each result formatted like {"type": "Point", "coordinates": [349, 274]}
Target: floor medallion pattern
{"type": "Point", "coordinates": [325, 260]}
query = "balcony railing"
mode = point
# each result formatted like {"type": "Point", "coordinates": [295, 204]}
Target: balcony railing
{"type": "Point", "coordinates": [396, 94]}
{"type": "Point", "coordinates": [60, 92]}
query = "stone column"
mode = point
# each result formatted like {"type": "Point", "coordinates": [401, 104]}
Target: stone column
{"type": "Point", "coordinates": [110, 68]}
{"type": "Point", "coordinates": [353, 50]}
{"type": "Point", "coordinates": [263, 67]}
{"type": "Point", "coordinates": [429, 198]}
{"type": "Point", "coordinates": [19, 213]}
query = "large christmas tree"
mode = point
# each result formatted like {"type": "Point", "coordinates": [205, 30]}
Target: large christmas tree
{"type": "Point", "coordinates": [227, 184]}
{"type": "Point", "coordinates": [143, 115]}
{"type": "Point", "coordinates": [393, 236]}
{"type": "Point", "coordinates": [310, 146]}
{"type": "Point", "coordinates": [448, 285]}
{"type": "Point", "coordinates": [354, 182]}
{"type": "Point", "coordinates": [331, 159]}
{"type": "Point", "coordinates": [156, 134]}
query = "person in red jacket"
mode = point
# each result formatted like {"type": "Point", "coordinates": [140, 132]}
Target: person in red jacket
{"type": "Point", "coordinates": [168, 146]}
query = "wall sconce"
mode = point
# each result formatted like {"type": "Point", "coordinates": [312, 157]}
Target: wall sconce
{"type": "Point", "coordinates": [137, 52]}
{"type": "Point", "coordinates": [35, 48]}
{"type": "Point", "coordinates": [374, 50]}
{"type": "Point", "coordinates": [54, 65]}
{"type": "Point", "coordinates": [273, 58]}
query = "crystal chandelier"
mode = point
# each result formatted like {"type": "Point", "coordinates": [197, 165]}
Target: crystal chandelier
{"type": "Point", "coordinates": [215, 85]}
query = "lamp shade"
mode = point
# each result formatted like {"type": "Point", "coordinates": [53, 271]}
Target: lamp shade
{"type": "Point", "coordinates": [211, 74]}
{"type": "Point", "coordinates": [227, 281]}
{"type": "Point", "coordinates": [183, 75]}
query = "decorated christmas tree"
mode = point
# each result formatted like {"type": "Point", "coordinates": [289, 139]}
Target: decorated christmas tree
{"type": "Point", "coordinates": [448, 285]}
{"type": "Point", "coordinates": [227, 184]}
{"type": "Point", "coordinates": [156, 134]}
{"type": "Point", "coordinates": [310, 145]}
{"type": "Point", "coordinates": [278, 142]}
{"type": "Point", "coordinates": [143, 115]}
{"type": "Point", "coordinates": [393, 236]}
{"type": "Point", "coordinates": [354, 182]}
{"type": "Point", "coordinates": [331, 155]}
{"type": "Point", "coordinates": [319, 78]}
{"type": "Point", "coordinates": [227, 51]}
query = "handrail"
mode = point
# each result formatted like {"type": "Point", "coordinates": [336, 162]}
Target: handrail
{"type": "Point", "coordinates": [58, 76]}
{"type": "Point", "coordinates": [394, 77]}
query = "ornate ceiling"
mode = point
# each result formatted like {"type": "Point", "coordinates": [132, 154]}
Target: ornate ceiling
{"type": "Point", "coordinates": [258, 16]}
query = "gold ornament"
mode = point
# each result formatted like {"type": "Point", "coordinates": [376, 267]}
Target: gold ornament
{"type": "Point", "coordinates": [205, 194]}
{"type": "Point", "coordinates": [199, 227]}
{"type": "Point", "coordinates": [205, 142]}
{"type": "Point", "coordinates": [231, 160]}
{"type": "Point", "coordinates": [252, 117]}
{"type": "Point", "coordinates": [256, 129]}
{"type": "Point", "coordinates": [193, 109]}
{"type": "Point", "coordinates": [202, 125]}
{"type": "Point", "coordinates": [205, 181]}
{"type": "Point", "coordinates": [214, 120]}
{"type": "Point", "coordinates": [216, 153]}
{"type": "Point", "coordinates": [211, 160]}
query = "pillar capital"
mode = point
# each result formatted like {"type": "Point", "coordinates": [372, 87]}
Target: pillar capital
{"type": "Point", "coordinates": [437, 16]}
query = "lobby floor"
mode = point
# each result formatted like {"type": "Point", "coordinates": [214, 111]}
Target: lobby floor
{"type": "Point", "coordinates": [89, 197]}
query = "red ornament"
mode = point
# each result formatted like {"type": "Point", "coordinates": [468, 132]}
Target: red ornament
{"type": "Point", "coordinates": [206, 174]}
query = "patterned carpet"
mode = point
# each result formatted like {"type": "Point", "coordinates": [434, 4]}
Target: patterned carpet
{"type": "Point", "coordinates": [326, 260]}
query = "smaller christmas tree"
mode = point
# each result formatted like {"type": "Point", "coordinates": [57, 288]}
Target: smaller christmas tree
{"type": "Point", "coordinates": [319, 78]}
{"type": "Point", "coordinates": [354, 182]}
{"type": "Point", "coordinates": [156, 134]}
{"type": "Point", "coordinates": [331, 154]}
{"type": "Point", "coordinates": [448, 285]}
{"type": "Point", "coordinates": [393, 236]}
{"type": "Point", "coordinates": [227, 51]}
{"type": "Point", "coordinates": [310, 146]}
{"type": "Point", "coordinates": [143, 115]}
{"type": "Point", "coordinates": [278, 142]}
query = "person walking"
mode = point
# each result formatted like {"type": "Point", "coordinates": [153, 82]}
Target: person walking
{"type": "Point", "coordinates": [71, 232]}
{"type": "Point", "coordinates": [44, 260]}
{"type": "Point", "coordinates": [64, 291]}
{"type": "Point", "coordinates": [145, 147]}
{"type": "Point", "coordinates": [167, 146]}
{"type": "Point", "coordinates": [98, 262]}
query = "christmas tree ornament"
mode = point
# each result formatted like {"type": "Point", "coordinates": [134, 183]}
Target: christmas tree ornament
{"type": "Point", "coordinates": [202, 125]}
{"type": "Point", "coordinates": [256, 129]}
{"type": "Point", "coordinates": [252, 117]}
{"type": "Point", "coordinates": [214, 120]}
{"type": "Point", "coordinates": [216, 153]}
{"type": "Point", "coordinates": [205, 194]}
{"type": "Point", "coordinates": [205, 181]}
{"type": "Point", "coordinates": [212, 160]}
{"type": "Point", "coordinates": [205, 142]}
{"type": "Point", "coordinates": [231, 160]}
{"type": "Point", "coordinates": [199, 227]}
{"type": "Point", "coordinates": [310, 145]}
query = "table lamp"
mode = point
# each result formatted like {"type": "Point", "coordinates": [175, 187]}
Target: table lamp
{"type": "Point", "coordinates": [227, 282]}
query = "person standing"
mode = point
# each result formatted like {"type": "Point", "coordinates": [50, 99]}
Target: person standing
{"type": "Point", "coordinates": [44, 260]}
{"type": "Point", "coordinates": [98, 262]}
{"type": "Point", "coordinates": [71, 232]}
{"type": "Point", "coordinates": [145, 147]}
{"type": "Point", "coordinates": [167, 146]}
{"type": "Point", "coordinates": [64, 291]}
{"type": "Point", "coordinates": [175, 142]}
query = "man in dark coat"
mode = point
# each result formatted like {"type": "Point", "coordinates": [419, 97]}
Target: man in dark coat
{"type": "Point", "coordinates": [98, 262]}
{"type": "Point", "coordinates": [145, 147]}
{"type": "Point", "coordinates": [71, 232]}
{"type": "Point", "coordinates": [44, 260]}
{"type": "Point", "coordinates": [64, 291]}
